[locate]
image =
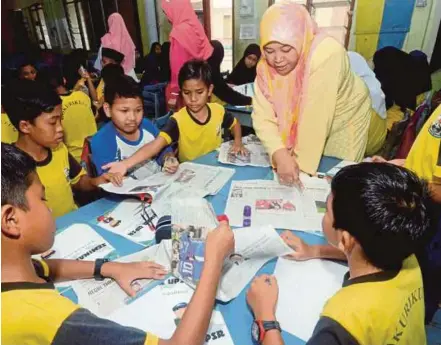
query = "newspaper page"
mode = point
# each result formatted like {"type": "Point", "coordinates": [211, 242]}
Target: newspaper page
{"type": "Point", "coordinates": [80, 242]}
{"type": "Point", "coordinates": [254, 246]}
{"type": "Point", "coordinates": [161, 310]}
{"type": "Point", "coordinates": [270, 203]}
{"type": "Point", "coordinates": [149, 185]}
{"type": "Point", "coordinates": [104, 297]}
{"type": "Point", "coordinates": [245, 89]}
{"type": "Point", "coordinates": [131, 219]}
{"type": "Point", "coordinates": [257, 155]}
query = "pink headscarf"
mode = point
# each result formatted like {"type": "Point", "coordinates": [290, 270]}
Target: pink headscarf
{"type": "Point", "coordinates": [290, 24]}
{"type": "Point", "coordinates": [118, 38]}
{"type": "Point", "coordinates": [186, 28]}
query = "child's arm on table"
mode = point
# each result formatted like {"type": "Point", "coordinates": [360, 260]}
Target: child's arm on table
{"type": "Point", "coordinates": [144, 153]}
{"type": "Point", "coordinates": [304, 251]}
{"type": "Point", "coordinates": [193, 327]}
{"type": "Point", "coordinates": [238, 147]}
{"type": "Point", "coordinates": [123, 273]}
{"type": "Point", "coordinates": [88, 184]}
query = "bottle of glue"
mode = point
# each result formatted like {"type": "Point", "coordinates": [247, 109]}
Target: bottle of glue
{"type": "Point", "coordinates": [246, 216]}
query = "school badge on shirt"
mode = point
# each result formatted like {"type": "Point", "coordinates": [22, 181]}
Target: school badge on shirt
{"type": "Point", "coordinates": [435, 128]}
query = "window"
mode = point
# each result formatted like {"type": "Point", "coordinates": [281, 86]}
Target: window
{"type": "Point", "coordinates": [77, 24]}
{"type": "Point", "coordinates": [36, 15]}
{"type": "Point", "coordinates": [333, 16]}
{"type": "Point", "coordinates": [221, 23]}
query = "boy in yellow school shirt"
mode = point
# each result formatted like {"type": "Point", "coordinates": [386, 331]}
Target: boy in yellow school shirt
{"type": "Point", "coordinates": [9, 132]}
{"type": "Point", "coordinates": [77, 117]}
{"type": "Point", "coordinates": [377, 216]}
{"type": "Point", "coordinates": [197, 128]}
{"type": "Point", "coordinates": [35, 110]}
{"type": "Point", "coordinates": [33, 312]}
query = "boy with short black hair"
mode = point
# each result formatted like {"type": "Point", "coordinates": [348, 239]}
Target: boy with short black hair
{"type": "Point", "coordinates": [378, 216]}
{"type": "Point", "coordinates": [35, 111]}
{"type": "Point", "coordinates": [27, 71]}
{"type": "Point", "coordinates": [32, 309]}
{"type": "Point", "coordinates": [127, 132]}
{"type": "Point", "coordinates": [197, 128]}
{"type": "Point", "coordinates": [77, 117]}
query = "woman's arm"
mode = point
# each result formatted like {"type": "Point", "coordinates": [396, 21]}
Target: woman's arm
{"type": "Point", "coordinates": [265, 122]}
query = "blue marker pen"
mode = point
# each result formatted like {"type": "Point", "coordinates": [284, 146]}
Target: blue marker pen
{"type": "Point", "coordinates": [247, 216]}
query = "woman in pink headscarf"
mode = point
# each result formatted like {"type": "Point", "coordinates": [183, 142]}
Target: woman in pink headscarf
{"type": "Point", "coordinates": [188, 41]}
{"type": "Point", "coordinates": [308, 102]}
{"type": "Point", "coordinates": [117, 39]}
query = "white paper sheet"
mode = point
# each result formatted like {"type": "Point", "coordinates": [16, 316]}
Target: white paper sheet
{"type": "Point", "coordinates": [193, 211]}
{"type": "Point", "coordinates": [126, 220]}
{"type": "Point", "coordinates": [257, 154]}
{"type": "Point", "coordinates": [304, 288]}
{"type": "Point", "coordinates": [245, 89]}
{"type": "Point", "coordinates": [81, 242]}
{"type": "Point", "coordinates": [105, 297]}
{"type": "Point", "coordinates": [150, 185]}
{"type": "Point", "coordinates": [254, 246]}
{"type": "Point", "coordinates": [162, 308]}
{"type": "Point", "coordinates": [281, 206]}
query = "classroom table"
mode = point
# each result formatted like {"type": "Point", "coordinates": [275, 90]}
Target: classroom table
{"type": "Point", "coordinates": [236, 312]}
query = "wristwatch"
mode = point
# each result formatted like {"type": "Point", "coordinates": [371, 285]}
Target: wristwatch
{"type": "Point", "coordinates": [97, 270]}
{"type": "Point", "coordinates": [259, 329]}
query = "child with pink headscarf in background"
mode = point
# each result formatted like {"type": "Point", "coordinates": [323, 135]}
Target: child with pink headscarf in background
{"type": "Point", "coordinates": [188, 41]}
{"type": "Point", "coordinates": [118, 39]}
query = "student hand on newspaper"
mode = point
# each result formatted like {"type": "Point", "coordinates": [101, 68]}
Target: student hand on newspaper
{"type": "Point", "coordinates": [126, 273]}
{"type": "Point", "coordinates": [219, 243]}
{"type": "Point", "coordinates": [286, 167]}
{"type": "Point", "coordinates": [239, 149]}
{"type": "Point", "coordinates": [115, 179]}
{"type": "Point", "coordinates": [302, 250]}
{"type": "Point", "coordinates": [116, 168]}
{"type": "Point", "coordinates": [171, 164]}
{"type": "Point", "coordinates": [262, 297]}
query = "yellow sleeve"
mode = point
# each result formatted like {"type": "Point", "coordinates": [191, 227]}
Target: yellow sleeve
{"type": "Point", "coordinates": [265, 122]}
{"type": "Point", "coordinates": [319, 108]}
{"type": "Point", "coordinates": [151, 339]}
{"type": "Point", "coordinates": [166, 137]}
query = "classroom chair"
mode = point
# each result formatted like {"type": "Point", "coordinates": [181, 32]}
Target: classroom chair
{"type": "Point", "coordinates": [162, 120]}
{"type": "Point", "coordinates": [154, 100]}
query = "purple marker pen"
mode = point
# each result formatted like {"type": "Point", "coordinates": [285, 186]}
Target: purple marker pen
{"type": "Point", "coordinates": [247, 216]}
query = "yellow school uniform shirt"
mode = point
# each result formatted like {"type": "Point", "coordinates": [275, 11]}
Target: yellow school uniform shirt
{"type": "Point", "coordinates": [58, 172]}
{"type": "Point", "coordinates": [385, 308]}
{"type": "Point", "coordinates": [100, 90]}
{"type": "Point", "coordinates": [424, 156]}
{"type": "Point", "coordinates": [78, 122]}
{"type": "Point", "coordinates": [195, 138]}
{"type": "Point", "coordinates": [9, 132]}
{"type": "Point", "coordinates": [337, 113]}
{"type": "Point", "coordinates": [36, 314]}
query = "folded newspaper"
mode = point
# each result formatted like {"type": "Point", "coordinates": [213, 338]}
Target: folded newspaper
{"type": "Point", "coordinates": [245, 89]}
{"type": "Point", "coordinates": [192, 220]}
{"type": "Point", "coordinates": [257, 155]}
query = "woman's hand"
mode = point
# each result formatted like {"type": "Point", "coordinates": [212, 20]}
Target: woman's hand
{"type": "Point", "coordinates": [286, 167]}
{"type": "Point", "coordinates": [126, 273]}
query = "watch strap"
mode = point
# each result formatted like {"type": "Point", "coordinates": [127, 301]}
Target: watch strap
{"type": "Point", "coordinates": [265, 326]}
{"type": "Point", "coordinates": [97, 269]}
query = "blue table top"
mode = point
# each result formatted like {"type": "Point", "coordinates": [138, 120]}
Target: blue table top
{"type": "Point", "coordinates": [236, 312]}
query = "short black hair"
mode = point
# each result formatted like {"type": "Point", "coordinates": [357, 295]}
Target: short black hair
{"type": "Point", "coordinates": [110, 72]}
{"type": "Point", "coordinates": [18, 169]}
{"type": "Point", "coordinates": [195, 69]}
{"type": "Point", "coordinates": [121, 87]}
{"type": "Point", "coordinates": [26, 63]}
{"type": "Point", "coordinates": [387, 208]}
{"type": "Point", "coordinates": [26, 100]}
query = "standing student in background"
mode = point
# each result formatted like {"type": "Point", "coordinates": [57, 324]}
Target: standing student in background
{"type": "Point", "coordinates": [245, 70]}
{"type": "Point", "coordinates": [28, 71]}
{"type": "Point", "coordinates": [188, 41]}
{"type": "Point", "coordinates": [118, 39]}
{"type": "Point", "coordinates": [308, 103]}
{"type": "Point", "coordinates": [221, 90]}
{"type": "Point", "coordinates": [77, 117]}
{"type": "Point", "coordinates": [152, 66]}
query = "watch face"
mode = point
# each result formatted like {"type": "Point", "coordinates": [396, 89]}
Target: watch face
{"type": "Point", "coordinates": [255, 332]}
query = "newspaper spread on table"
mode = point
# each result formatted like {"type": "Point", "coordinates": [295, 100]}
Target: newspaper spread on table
{"type": "Point", "coordinates": [254, 246]}
{"type": "Point", "coordinates": [257, 155]}
{"type": "Point", "coordinates": [80, 242]}
{"type": "Point", "coordinates": [161, 310]}
{"type": "Point", "coordinates": [131, 219]}
{"type": "Point", "coordinates": [283, 207]}
{"type": "Point", "coordinates": [105, 297]}
{"type": "Point", "coordinates": [245, 89]}
{"type": "Point", "coordinates": [206, 178]}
